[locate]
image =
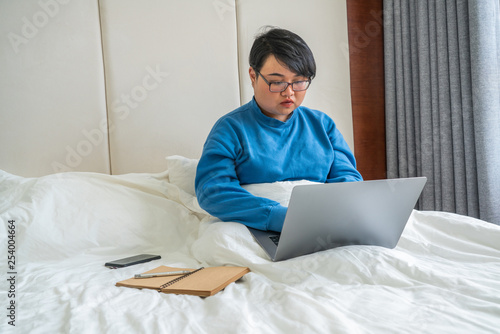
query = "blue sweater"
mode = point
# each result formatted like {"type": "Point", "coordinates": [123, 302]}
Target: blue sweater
{"type": "Point", "coordinates": [246, 146]}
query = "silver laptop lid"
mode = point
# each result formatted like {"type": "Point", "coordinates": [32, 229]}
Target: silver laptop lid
{"type": "Point", "coordinates": [324, 216]}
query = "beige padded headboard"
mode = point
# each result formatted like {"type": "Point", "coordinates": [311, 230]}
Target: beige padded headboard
{"type": "Point", "coordinates": [115, 86]}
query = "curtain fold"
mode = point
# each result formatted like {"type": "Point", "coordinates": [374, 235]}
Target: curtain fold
{"type": "Point", "coordinates": [442, 71]}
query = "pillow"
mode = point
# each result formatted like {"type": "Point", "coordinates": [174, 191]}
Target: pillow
{"type": "Point", "coordinates": [279, 191]}
{"type": "Point", "coordinates": [181, 172]}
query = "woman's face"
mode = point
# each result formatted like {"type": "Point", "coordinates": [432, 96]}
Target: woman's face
{"type": "Point", "coordinates": [276, 105]}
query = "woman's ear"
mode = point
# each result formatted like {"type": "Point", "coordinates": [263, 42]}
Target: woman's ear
{"type": "Point", "coordinates": [253, 75]}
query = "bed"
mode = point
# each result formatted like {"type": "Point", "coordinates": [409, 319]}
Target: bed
{"type": "Point", "coordinates": [443, 276]}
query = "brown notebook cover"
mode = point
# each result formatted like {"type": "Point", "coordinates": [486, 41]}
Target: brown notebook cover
{"type": "Point", "coordinates": [201, 282]}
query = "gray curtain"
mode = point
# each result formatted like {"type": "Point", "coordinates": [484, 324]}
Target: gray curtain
{"type": "Point", "coordinates": [442, 77]}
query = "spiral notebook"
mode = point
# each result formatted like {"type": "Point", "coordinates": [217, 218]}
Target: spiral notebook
{"type": "Point", "coordinates": [201, 282]}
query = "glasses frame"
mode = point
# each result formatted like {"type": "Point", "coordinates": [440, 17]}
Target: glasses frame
{"type": "Point", "coordinates": [287, 84]}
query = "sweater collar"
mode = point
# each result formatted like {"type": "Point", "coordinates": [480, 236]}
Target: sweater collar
{"type": "Point", "coordinates": [269, 121]}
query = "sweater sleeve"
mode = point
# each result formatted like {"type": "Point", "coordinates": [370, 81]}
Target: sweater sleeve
{"type": "Point", "coordinates": [219, 191]}
{"type": "Point", "coordinates": [343, 168]}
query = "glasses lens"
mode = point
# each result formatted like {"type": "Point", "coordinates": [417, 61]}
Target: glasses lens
{"type": "Point", "coordinates": [277, 86]}
{"type": "Point", "coordinates": [300, 85]}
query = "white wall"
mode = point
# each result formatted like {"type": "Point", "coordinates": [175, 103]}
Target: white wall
{"type": "Point", "coordinates": [193, 55]}
{"type": "Point", "coordinates": [144, 79]}
{"type": "Point", "coordinates": [51, 87]}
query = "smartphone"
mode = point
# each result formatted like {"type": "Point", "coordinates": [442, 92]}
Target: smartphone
{"type": "Point", "coordinates": [129, 261]}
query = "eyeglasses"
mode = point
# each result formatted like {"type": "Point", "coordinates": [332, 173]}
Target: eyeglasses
{"type": "Point", "coordinates": [281, 86]}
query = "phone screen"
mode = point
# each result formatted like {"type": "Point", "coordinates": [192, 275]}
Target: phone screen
{"type": "Point", "coordinates": [128, 261]}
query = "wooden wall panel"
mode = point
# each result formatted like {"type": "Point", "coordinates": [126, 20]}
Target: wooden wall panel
{"type": "Point", "coordinates": [366, 56]}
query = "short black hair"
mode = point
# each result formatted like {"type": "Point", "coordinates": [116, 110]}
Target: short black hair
{"type": "Point", "coordinates": [289, 49]}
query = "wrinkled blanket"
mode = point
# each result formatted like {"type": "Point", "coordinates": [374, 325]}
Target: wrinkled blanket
{"type": "Point", "coordinates": [443, 277]}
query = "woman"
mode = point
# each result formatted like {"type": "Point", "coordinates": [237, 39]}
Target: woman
{"type": "Point", "coordinates": [271, 138]}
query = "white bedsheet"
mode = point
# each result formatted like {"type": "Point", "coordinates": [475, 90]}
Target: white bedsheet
{"type": "Point", "coordinates": [443, 277]}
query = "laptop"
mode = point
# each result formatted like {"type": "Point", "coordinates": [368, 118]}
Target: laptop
{"type": "Point", "coordinates": [325, 216]}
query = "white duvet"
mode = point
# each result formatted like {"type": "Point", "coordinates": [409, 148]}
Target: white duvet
{"type": "Point", "coordinates": [443, 277]}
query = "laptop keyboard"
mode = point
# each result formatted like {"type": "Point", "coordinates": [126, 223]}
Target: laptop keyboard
{"type": "Point", "coordinates": [275, 239]}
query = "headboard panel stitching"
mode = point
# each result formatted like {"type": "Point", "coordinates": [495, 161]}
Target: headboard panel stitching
{"type": "Point", "coordinates": [110, 162]}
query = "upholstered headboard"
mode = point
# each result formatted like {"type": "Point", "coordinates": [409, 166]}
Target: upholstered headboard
{"type": "Point", "coordinates": [115, 86]}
